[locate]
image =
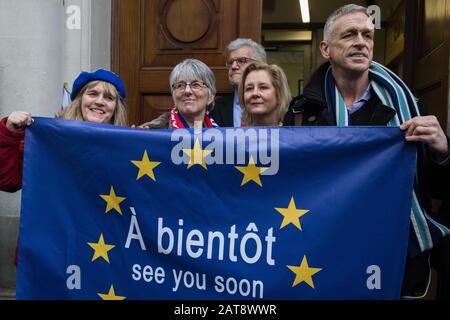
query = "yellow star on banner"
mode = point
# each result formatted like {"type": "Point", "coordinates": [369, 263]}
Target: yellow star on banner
{"type": "Point", "coordinates": [197, 155]}
{"type": "Point", "coordinates": [111, 295]}
{"type": "Point", "coordinates": [146, 167]}
{"type": "Point", "coordinates": [100, 249]}
{"type": "Point", "coordinates": [112, 201]}
{"type": "Point", "coordinates": [291, 215]}
{"type": "Point", "coordinates": [304, 273]}
{"type": "Point", "coordinates": [251, 172]}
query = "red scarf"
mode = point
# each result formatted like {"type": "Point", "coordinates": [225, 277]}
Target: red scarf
{"type": "Point", "coordinates": [177, 121]}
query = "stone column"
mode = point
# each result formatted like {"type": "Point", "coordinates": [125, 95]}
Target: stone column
{"type": "Point", "coordinates": [30, 76]}
{"type": "Point", "coordinates": [38, 53]}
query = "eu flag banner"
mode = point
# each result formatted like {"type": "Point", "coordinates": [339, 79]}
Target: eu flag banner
{"type": "Point", "coordinates": [230, 213]}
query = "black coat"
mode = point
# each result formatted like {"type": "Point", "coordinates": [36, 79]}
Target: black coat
{"type": "Point", "coordinates": [312, 107]}
{"type": "Point", "coordinates": [223, 110]}
{"type": "Point", "coordinates": [431, 178]}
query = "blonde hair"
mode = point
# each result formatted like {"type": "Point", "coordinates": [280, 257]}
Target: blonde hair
{"type": "Point", "coordinates": [280, 83]}
{"type": "Point", "coordinates": [73, 111]}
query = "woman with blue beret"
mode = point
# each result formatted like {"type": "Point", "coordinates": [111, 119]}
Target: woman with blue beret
{"type": "Point", "coordinates": [96, 97]}
{"type": "Point", "coordinates": [89, 91]}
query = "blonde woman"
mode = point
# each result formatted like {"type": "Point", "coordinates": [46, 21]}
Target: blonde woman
{"type": "Point", "coordinates": [264, 93]}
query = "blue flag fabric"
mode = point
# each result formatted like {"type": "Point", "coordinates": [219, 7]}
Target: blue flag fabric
{"type": "Point", "coordinates": [248, 213]}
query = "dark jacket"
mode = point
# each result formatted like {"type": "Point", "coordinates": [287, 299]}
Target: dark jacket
{"type": "Point", "coordinates": [223, 110]}
{"type": "Point", "coordinates": [162, 122]}
{"type": "Point", "coordinates": [312, 109]}
{"type": "Point", "coordinates": [311, 105]}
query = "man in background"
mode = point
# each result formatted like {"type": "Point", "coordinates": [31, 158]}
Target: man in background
{"type": "Point", "coordinates": [227, 111]}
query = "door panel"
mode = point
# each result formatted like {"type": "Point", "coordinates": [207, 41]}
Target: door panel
{"type": "Point", "coordinates": [427, 63]}
{"type": "Point", "coordinates": [151, 36]}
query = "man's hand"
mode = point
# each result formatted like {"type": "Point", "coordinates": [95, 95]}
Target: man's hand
{"type": "Point", "coordinates": [427, 129]}
{"type": "Point", "coordinates": [18, 120]}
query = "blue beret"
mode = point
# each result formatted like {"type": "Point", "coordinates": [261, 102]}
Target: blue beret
{"type": "Point", "coordinates": [100, 75]}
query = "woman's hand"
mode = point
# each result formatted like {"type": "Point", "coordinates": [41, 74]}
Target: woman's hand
{"type": "Point", "coordinates": [18, 120]}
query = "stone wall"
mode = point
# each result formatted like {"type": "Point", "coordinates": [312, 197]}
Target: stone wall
{"type": "Point", "coordinates": [42, 45]}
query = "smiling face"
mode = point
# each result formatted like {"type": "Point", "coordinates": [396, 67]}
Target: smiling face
{"type": "Point", "coordinates": [192, 98]}
{"type": "Point", "coordinates": [98, 102]}
{"type": "Point", "coordinates": [350, 48]}
{"type": "Point", "coordinates": [260, 95]}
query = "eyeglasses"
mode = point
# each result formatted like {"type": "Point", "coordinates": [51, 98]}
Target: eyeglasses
{"type": "Point", "coordinates": [240, 61]}
{"type": "Point", "coordinates": [194, 85]}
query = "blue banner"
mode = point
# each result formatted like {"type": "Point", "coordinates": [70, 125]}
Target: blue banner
{"type": "Point", "coordinates": [248, 213]}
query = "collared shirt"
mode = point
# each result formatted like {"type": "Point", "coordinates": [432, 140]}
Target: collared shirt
{"type": "Point", "coordinates": [237, 111]}
{"type": "Point", "coordinates": [358, 104]}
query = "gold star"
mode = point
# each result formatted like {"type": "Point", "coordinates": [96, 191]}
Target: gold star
{"type": "Point", "coordinates": [197, 155]}
{"type": "Point", "coordinates": [111, 295]}
{"type": "Point", "coordinates": [304, 273]}
{"type": "Point", "coordinates": [101, 249]}
{"type": "Point", "coordinates": [146, 167]}
{"type": "Point", "coordinates": [291, 215]}
{"type": "Point", "coordinates": [251, 172]}
{"type": "Point", "coordinates": [113, 201]}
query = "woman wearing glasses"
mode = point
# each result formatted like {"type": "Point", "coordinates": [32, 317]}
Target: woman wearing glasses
{"type": "Point", "coordinates": [193, 90]}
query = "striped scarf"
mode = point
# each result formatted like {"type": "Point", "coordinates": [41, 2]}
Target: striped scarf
{"type": "Point", "coordinates": [392, 92]}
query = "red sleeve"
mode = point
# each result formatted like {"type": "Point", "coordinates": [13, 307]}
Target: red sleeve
{"type": "Point", "coordinates": [11, 158]}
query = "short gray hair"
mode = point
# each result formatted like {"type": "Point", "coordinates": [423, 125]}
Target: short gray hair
{"type": "Point", "coordinates": [260, 53]}
{"type": "Point", "coordinates": [194, 69]}
{"type": "Point", "coordinates": [342, 11]}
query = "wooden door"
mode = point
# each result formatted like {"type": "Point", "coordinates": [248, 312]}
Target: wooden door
{"type": "Point", "coordinates": [427, 40]}
{"type": "Point", "coordinates": [151, 36]}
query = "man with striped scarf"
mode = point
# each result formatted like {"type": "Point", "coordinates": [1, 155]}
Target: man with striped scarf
{"type": "Point", "coordinates": [351, 89]}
